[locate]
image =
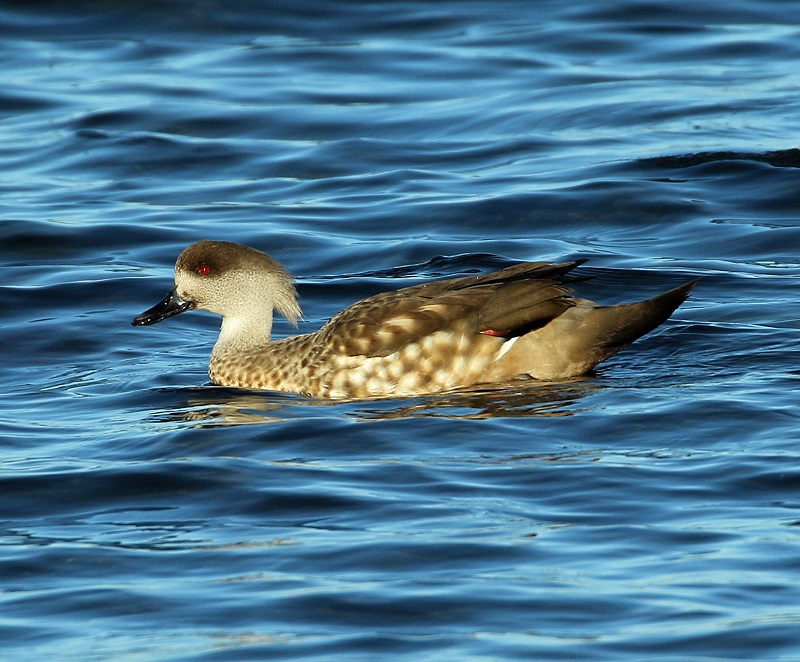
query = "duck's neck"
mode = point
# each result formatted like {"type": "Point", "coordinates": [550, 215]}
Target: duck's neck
{"type": "Point", "coordinates": [241, 331]}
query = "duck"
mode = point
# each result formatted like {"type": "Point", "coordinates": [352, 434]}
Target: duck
{"type": "Point", "coordinates": [442, 335]}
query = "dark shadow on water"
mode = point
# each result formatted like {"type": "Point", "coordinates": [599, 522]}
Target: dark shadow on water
{"type": "Point", "coordinates": [783, 158]}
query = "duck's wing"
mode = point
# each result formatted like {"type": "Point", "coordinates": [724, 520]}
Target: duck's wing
{"type": "Point", "coordinates": [504, 303]}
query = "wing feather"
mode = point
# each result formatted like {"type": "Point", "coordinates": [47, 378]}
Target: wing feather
{"type": "Point", "coordinates": [508, 302]}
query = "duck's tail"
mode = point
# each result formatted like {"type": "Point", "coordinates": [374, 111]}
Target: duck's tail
{"type": "Point", "coordinates": [583, 336]}
{"type": "Point", "coordinates": [615, 327]}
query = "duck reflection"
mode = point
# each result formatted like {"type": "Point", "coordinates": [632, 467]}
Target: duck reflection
{"type": "Point", "coordinates": [216, 407]}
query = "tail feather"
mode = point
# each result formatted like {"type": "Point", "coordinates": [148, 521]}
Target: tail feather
{"type": "Point", "coordinates": [618, 326]}
{"type": "Point", "coordinates": [584, 335]}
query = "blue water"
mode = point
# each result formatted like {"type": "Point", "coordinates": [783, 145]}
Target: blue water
{"type": "Point", "coordinates": [649, 511]}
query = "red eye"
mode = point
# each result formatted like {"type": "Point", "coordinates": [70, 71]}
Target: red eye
{"type": "Point", "coordinates": [204, 270]}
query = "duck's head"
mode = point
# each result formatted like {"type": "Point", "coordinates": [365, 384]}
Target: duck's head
{"type": "Point", "coordinates": [240, 283]}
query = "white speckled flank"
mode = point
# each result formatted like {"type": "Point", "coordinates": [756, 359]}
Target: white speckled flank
{"type": "Point", "coordinates": [434, 337]}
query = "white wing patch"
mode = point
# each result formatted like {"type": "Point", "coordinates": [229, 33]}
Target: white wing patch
{"type": "Point", "coordinates": [508, 344]}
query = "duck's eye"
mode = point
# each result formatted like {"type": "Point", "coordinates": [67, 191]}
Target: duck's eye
{"type": "Point", "coordinates": [204, 270]}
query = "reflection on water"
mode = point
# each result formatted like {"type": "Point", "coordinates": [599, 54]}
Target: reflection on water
{"type": "Point", "coordinates": [214, 407]}
{"type": "Point", "coordinates": [521, 398]}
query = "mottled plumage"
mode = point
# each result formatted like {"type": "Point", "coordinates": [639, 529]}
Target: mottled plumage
{"type": "Point", "coordinates": [438, 336]}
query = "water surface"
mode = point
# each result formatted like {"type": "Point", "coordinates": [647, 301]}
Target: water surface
{"type": "Point", "coordinates": [647, 511]}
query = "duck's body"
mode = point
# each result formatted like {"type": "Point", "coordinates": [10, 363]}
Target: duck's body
{"type": "Point", "coordinates": [434, 337]}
